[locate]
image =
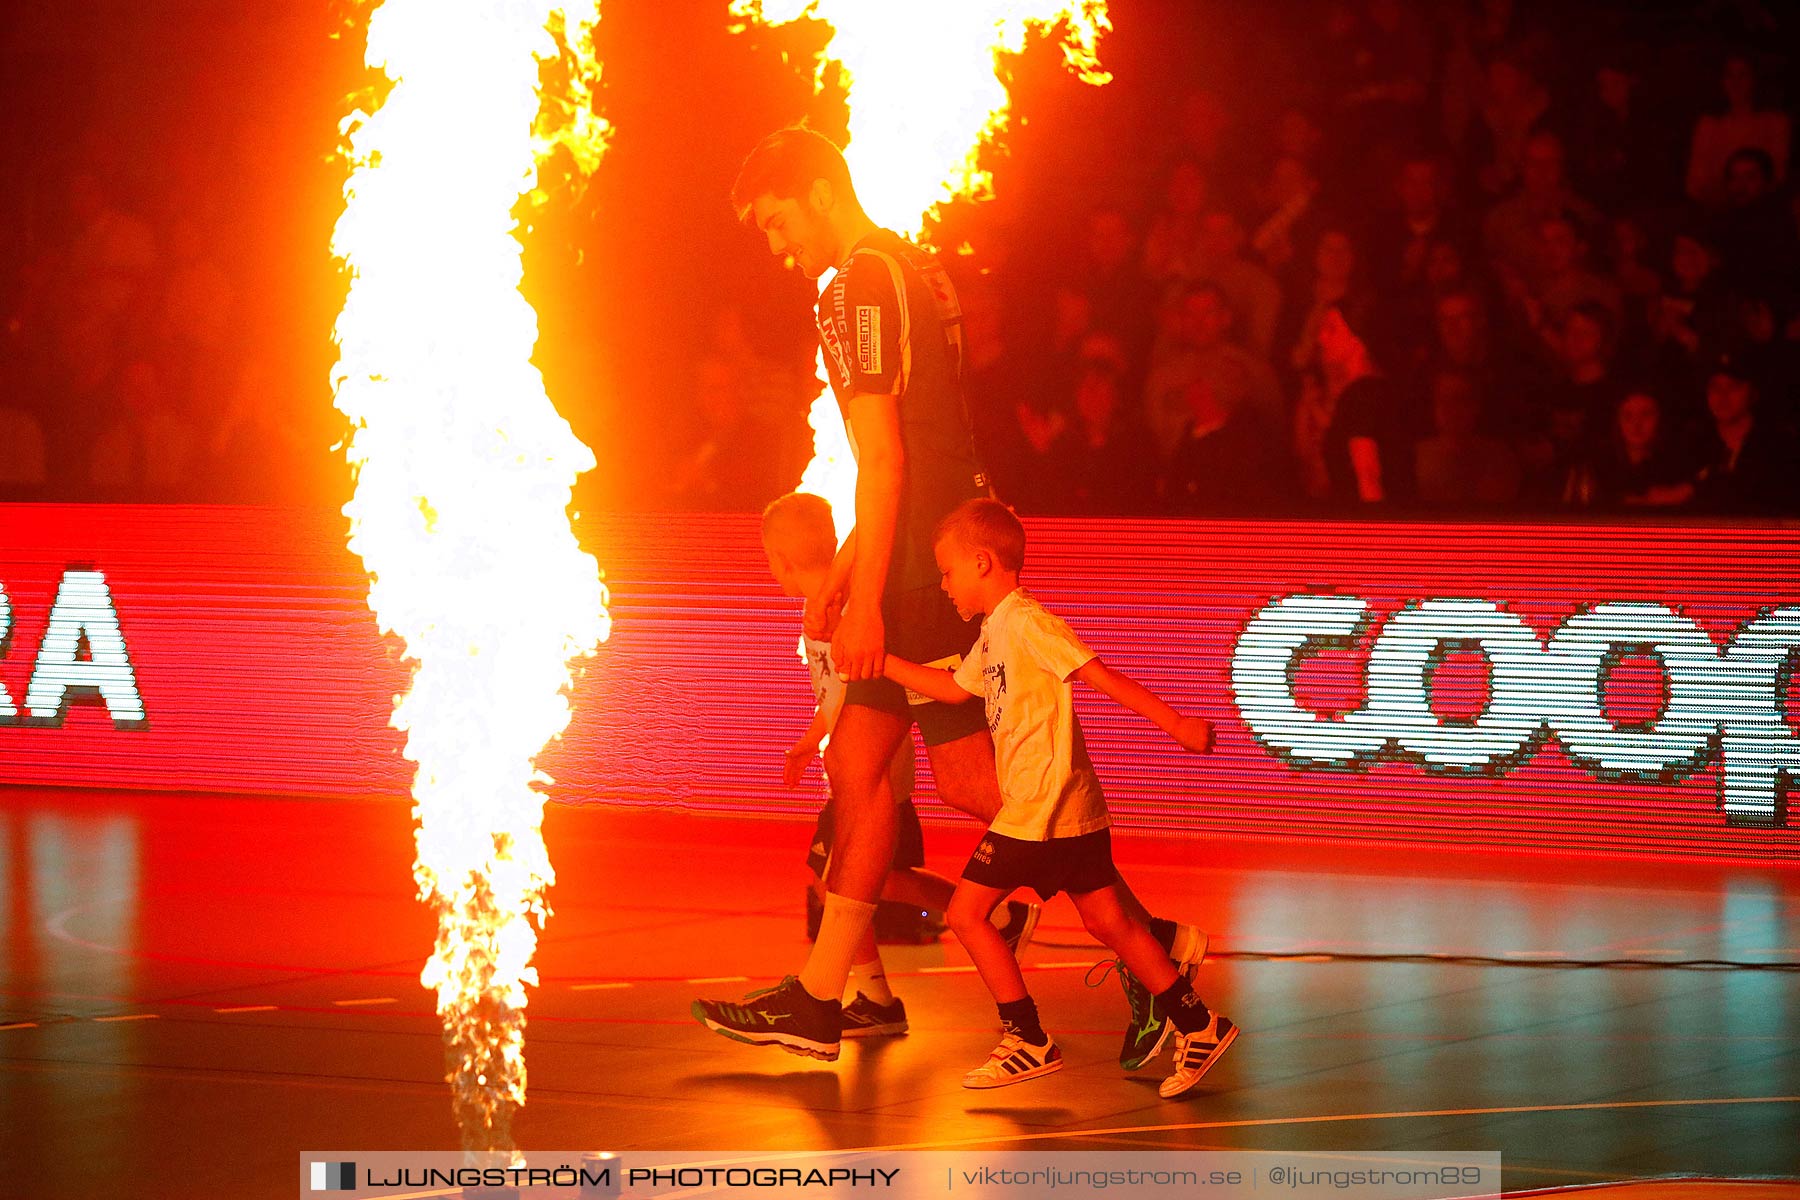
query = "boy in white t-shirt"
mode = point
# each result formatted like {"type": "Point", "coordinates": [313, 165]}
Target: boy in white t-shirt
{"type": "Point", "coordinates": [799, 541]}
{"type": "Point", "coordinates": [1052, 833]}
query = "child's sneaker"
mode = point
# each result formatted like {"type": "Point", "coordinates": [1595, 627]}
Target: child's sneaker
{"type": "Point", "coordinates": [1015, 1060]}
{"type": "Point", "coordinates": [1021, 920]}
{"type": "Point", "coordinates": [865, 1018]}
{"type": "Point", "coordinates": [1195, 1053]}
{"type": "Point", "coordinates": [784, 1015]}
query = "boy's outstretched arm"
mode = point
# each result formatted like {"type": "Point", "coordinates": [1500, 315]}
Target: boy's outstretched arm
{"type": "Point", "coordinates": [934, 682]}
{"type": "Point", "coordinates": [1194, 733]}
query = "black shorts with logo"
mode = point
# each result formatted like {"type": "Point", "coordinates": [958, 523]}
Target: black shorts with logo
{"type": "Point", "coordinates": [1076, 865]}
{"type": "Point", "coordinates": [922, 627]}
{"type": "Point", "coordinates": [909, 846]}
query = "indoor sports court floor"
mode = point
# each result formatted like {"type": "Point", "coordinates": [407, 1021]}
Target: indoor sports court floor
{"type": "Point", "coordinates": [224, 982]}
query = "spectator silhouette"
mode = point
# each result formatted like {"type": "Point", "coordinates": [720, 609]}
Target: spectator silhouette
{"type": "Point", "coordinates": [1744, 124]}
{"type": "Point", "coordinates": [1102, 461]}
{"type": "Point", "coordinates": [1640, 464]}
{"type": "Point", "coordinates": [1748, 463]}
{"type": "Point", "coordinates": [1513, 230]}
{"type": "Point", "coordinates": [1368, 445]}
{"type": "Point", "coordinates": [1459, 467]}
{"type": "Point", "coordinates": [1759, 247]}
{"type": "Point", "coordinates": [1335, 281]}
{"type": "Point", "coordinates": [1223, 461]}
{"type": "Point", "coordinates": [1203, 352]}
{"type": "Point", "coordinates": [1253, 292]}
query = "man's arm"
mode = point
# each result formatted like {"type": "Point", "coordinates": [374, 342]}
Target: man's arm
{"type": "Point", "coordinates": [880, 473]}
{"type": "Point", "coordinates": [1194, 733]}
{"type": "Point", "coordinates": [933, 682]}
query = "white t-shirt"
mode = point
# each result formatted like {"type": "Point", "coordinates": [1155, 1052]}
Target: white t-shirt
{"type": "Point", "coordinates": [1021, 667]}
{"type": "Point", "coordinates": [827, 684]}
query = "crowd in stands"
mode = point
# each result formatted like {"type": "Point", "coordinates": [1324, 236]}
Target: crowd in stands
{"type": "Point", "coordinates": [124, 369]}
{"type": "Point", "coordinates": [1473, 265]}
{"type": "Point", "coordinates": [1484, 269]}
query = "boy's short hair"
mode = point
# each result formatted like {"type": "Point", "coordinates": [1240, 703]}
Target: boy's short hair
{"type": "Point", "coordinates": [784, 165]}
{"type": "Point", "coordinates": [799, 526]}
{"type": "Point", "coordinates": [984, 524]}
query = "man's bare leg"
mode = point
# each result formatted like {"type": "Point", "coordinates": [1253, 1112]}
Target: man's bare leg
{"type": "Point", "coordinates": [965, 775]}
{"type": "Point", "coordinates": [862, 747]}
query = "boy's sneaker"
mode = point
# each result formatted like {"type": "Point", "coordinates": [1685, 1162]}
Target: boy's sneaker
{"type": "Point", "coordinates": [784, 1015]}
{"type": "Point", "coordinates": [1021, 922]}
{"type": "Point", "coordinates": [862, 1017]}
{"type": "Point", "coordinates": [1195, 1053]}
{"type": "Point", "coordinates": [1015, 1060]}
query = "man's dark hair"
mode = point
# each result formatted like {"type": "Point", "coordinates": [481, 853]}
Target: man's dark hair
{"type": "Point", "coordinates": [784, 165]}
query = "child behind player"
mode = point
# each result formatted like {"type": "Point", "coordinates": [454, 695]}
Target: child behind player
{"type": "Point", "coordinates": [799, 540]}
{"type": "Point", "coordinates": [1053, 832]}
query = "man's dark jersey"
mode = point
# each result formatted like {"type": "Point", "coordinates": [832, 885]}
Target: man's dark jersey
{"type": "Point", "coordinates": [891, 325]}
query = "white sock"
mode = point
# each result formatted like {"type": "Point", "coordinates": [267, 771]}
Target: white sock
{"type": "Point", "coordinates": [842, 927]}
{"type": "Point", "coordinates": [871, 980]}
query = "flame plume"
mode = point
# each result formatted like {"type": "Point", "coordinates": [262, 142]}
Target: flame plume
{"type": "Point", "coordinates": [464, 474]}
{"type": "Point", "coordinates": [924, 86]}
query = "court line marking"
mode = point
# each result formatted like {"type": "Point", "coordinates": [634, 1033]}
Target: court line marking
{"type": "Point", "coordinates": [720, 979]}
{"type": "Point", "coordinates": [243, 1008]}
{"type": "Point", "coordinates": [21, 1025]}
{"type": "Point", "coordinates": [597, 987]}
{"type": "Point", "coordinates": [1259, 1122]}
{"type": "Point", "coordinates": [131, 1017]}
{"type": "Point", "coordinates": [369, 1000]}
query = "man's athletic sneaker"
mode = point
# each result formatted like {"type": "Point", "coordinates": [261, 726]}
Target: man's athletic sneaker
{"type": "Point", "coordinates": [1021, 921]}
{"type": "Point", "coordinates": [784, 1015]}
{"type": "Point", "coordinates": [862, 1017]}
{"type": "Point", "coordinates": [1015, 1060]}
{"type": "Point", "coordinates": [1195, 1053]}
{"type": "Point", "coordinates": [1149, 1029]}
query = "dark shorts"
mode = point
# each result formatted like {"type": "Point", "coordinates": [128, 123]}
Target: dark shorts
{"type": "Point", "coordinates": [1076, 865]}
{"type": "Point", "coordinates": [909, 846]}
{"type": "Point", "coordinates": [922, 627]}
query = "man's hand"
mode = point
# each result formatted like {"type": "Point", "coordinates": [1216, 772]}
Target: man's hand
{"type": "Point", "coordinates": [858, 648]}
{"type": "Point", "coordinates": [1193, 733]}
{"type": "Point", "coordinates": [797, 758]}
